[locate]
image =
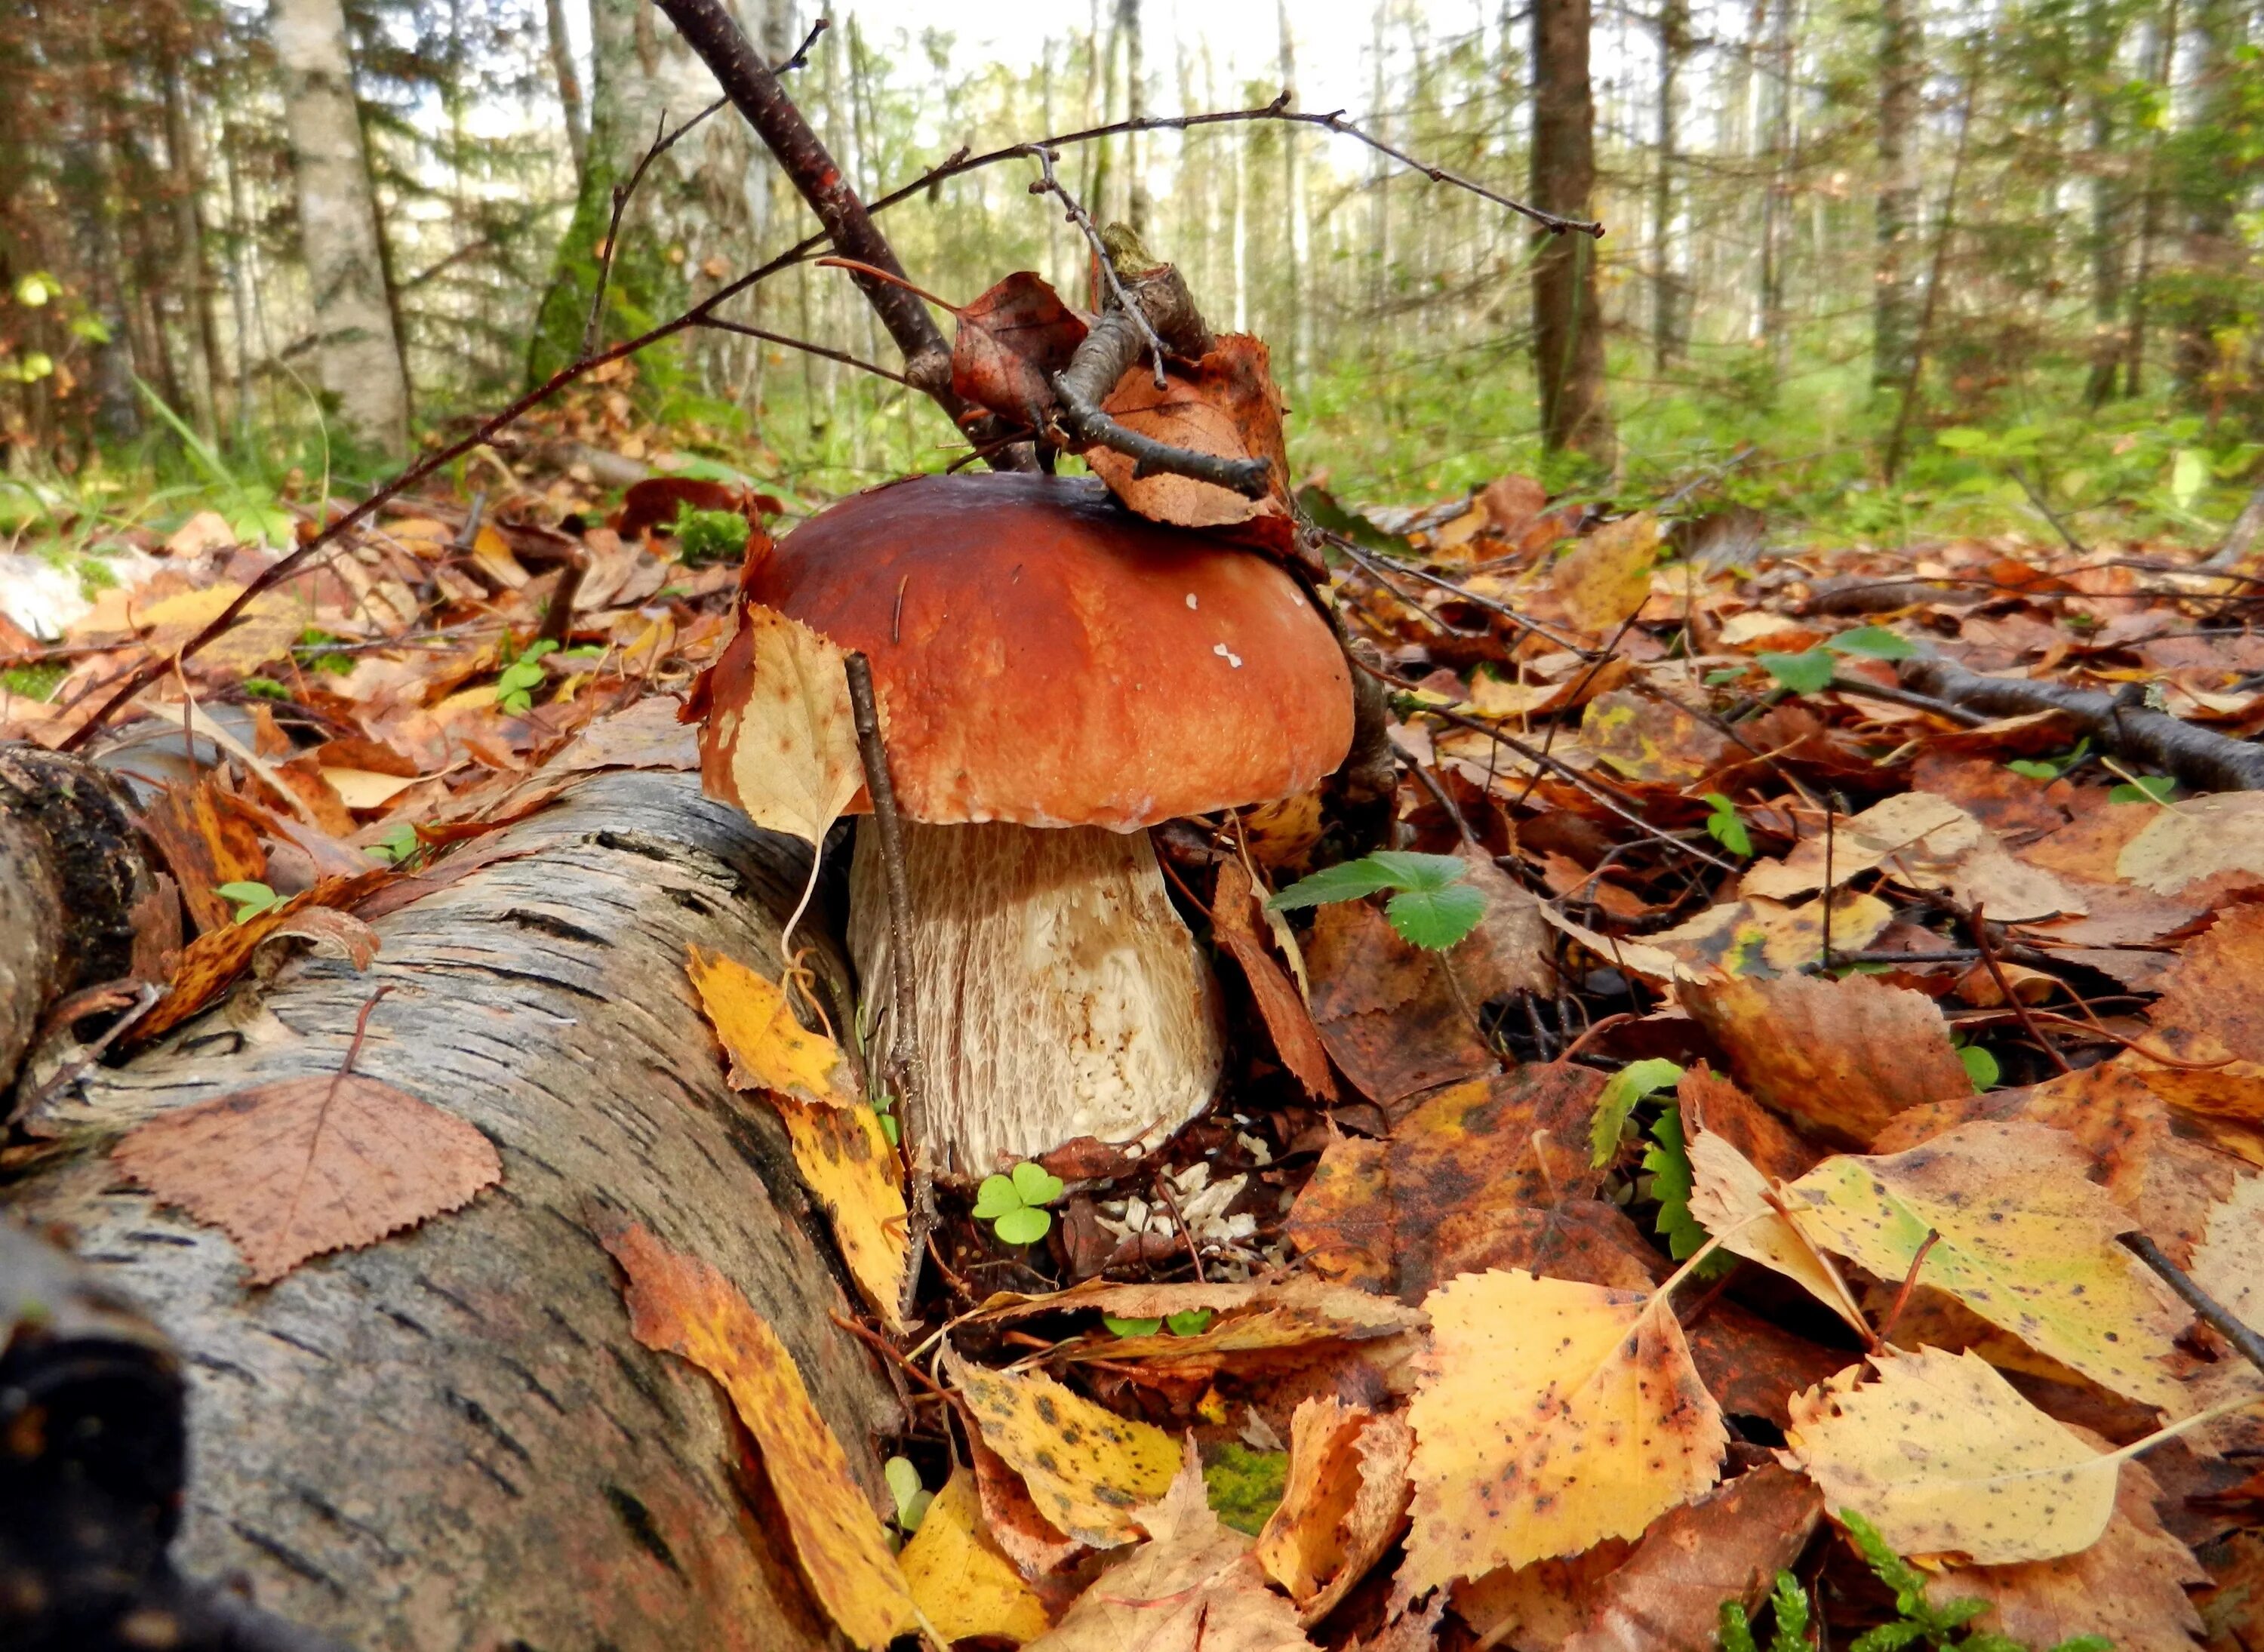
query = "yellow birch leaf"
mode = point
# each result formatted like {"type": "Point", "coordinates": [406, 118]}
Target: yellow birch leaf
{"type": "Point", "coordinates": [1551, 1416]}
{"type": "Point", "coordinates": [847, 1163]}
{"type": "Point", "coordinates": [682, 1305]}
{"type": "Point", "coordinates": [780, 738]}
{"type": "Point", "coordinates": [1945, 1457]}
{"type": "Point", "coordinates": [1344, 1502]}
{"type": "Point", "coordinates": [2027, 1241]}
{"type": "Point", "coordinates": [1607, 577]}
{"type": "Point", "coordinates": [769, 1049]}
{"type": "Point", "coordinates": [2228, 1263]}
{"type": "Point", "coordinates": [1087, 1469]}
{"type": "Point", "coordinates": [1730, 1198]}
{"type": "Point", "coordinates": [963, 1585]}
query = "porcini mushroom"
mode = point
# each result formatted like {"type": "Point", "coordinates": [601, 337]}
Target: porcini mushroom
{"type": "Point", "coordinates": [1056, 675]}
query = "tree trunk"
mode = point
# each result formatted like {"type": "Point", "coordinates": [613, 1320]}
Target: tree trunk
{"type": "Point", "coordinates": [357, 356]}
{"type": "Point", "coordinates": [1894, 303]}
{"type": "Point", "coordinates": [1568, 327]}
{"type": "Point", "coordinates": [1136, 208]}
{"type": "Point", "coordinates": [569, 86]}
{"type": "Point", "coordinates": [2103, 35]}
{"type": "Point", "coordinates": [2214, 183]}
{"type": "Point", "coordinates": [189, 235]}
{"type": "Point", "coordinates": [449, 1439]}
{"type": "Point", "coordinates": [1669, 283]}
{"type": "Point", "coordinates": [2162, 58]}
{"type": "Point", "coordinates": [1299, 213]}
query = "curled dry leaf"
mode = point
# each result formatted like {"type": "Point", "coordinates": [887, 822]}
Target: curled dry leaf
{"type": "Point", "coordinates": [778, 736]}
{"type": "Point", "coordinates": [1944, 1457]}
{"type": "Point", "coordinates": [2026, 1241]}
{"type": "Point", "coordinates": [1924, 842]}
{"type": "Point", "coordinates": [1233, 925]}
{"type": "Point", "coordinates": [1344, 1494]}
{"type": "Point", "coordinates": [1087, 1469]}
{"type": "Point", "coordinates": [769, 1049]}
{"type": "Point", "coordinates": [210, 964]}
{"type": "Point", "coordinates": [1732, 1200]}
{"type": "Point", "coordinates": [2128, 1587]}
{"type": "Point", "coordinates": [1551, 1416]}
{"type": "Point", "coordinates": [1510, 951]}
{"type": "Point", "coordinates": [1009, 343]}
{"type": "Point", "coordinates": [1842, 1056]}
{"type": "Point", "coordinates": [1193, 1587]}
{"type": "Point", "coordinates": [683, 1305]}
{"type": "Point", "coordinates": [1227, 405]}
{"type": "Point", "coordinates": [1023, 1533]}
{"type": "Point", "coordinates": [204, 844]}
{"type": "Point", "coordinates": [290, 1170]}
{"type": "Point", "coordinates": [1607, 577]}
{"type": "Point", "coordinates": [963, 1585]}
{"type": "Point", "coordinates": [1728, 1545]}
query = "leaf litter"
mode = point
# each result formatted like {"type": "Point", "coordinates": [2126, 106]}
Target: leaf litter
{"type": "Point", "coordinates": [1655, 792]}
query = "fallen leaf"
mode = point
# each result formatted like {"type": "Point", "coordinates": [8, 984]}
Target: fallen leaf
{"type": "Point", "coordinates": [1342, 1503]}
{"type": "Point", "coordinates": [1842, 1056]}
{"type": "Point", "coordinates": [1711, 1103]}
{"type": "Point", "coordinates": [1735, 1203]}
{"type": "Point", "coordinates": [1341, 1223]}
{"type": "Point", "coordinates": [1234, 907]}
{"type": "Point", "coordinates": [1730, 1545]}
{"type": "Point", "coordinates": [1855, 844]}
{"type": "Point", "coordinates": [779, 736]}
{"type": "Point", "coordinates": [1765, 938]}
{"type": "Point", "coordinates": [293, 1168]}
{"type": "Point", "coordinates": [2195, 840]}
{"type": "Point", "coordinates": [2208, 1009]}
{"type": "Point", "coordinates": [1243, 1317]}
{"type": "Point", "coordinates": [1629, 956]}
{"type": "Point", "coordinates": [1087, 1469]}
{"type": "Point", "coordinates": [850, 1170]}
{"type": "Point", "coordinates": [962, 1583]}
{"type": "Point", "coordinates": [1550, 1415]}
{"type": "Point", "coordinates": [2228, 1263]}
{"type": "Point", "coordinates": [1024, 1535]}
{"type": "Point", "coordinates": [1510, 951]}
{"type": "Point", "coordinates": [683, 1305]}
{"type": "Point", "coordinates": [769, 1049]}
{"type": "Point", "coordinates": [1605, 576]}
{"type": "Point", "coordinates": [2026, 1241]}
{"type": "Point", "coordinates": [210, 964]}
{"type": "Point", "coordinates": [1534, 1608]}
{"type": "Point", "coordinates": [1651, 741]}
{"type": "Point", "coordinates": [1944, 1457]}
{"type": "Point", "coordinates": [205, 847]}
{"type": "Point", "coordinates": [264, 631]}
{"type": "Point", "coordinates": [1193, 1587]}
{"type": "Point", "coordinates": [1584, 1239]}
{"type": "Point", "coordinates": [1009, 343]}
{"type": "Point", "coordinates": [1385, 1009]}
{"type": "Point", "coordinates": [2128, 1587]}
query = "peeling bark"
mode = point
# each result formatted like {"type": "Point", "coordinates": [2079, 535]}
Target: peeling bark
{"type": "Point", "coordinates": [450, 1439]}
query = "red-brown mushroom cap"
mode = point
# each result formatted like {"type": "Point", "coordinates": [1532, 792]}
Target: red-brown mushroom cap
{"type": "Point", "coordinates": [1044, 657]}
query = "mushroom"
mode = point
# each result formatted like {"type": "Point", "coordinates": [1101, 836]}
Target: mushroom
{"type": "Point", "coordinates": [1055, 676]}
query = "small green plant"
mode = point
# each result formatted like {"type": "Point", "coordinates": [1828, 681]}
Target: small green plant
{"type": "Point", "coordinates": [885, 1105]}
{"type": "Point", "coordinates": [1620, 1093]}
{"type": "Point", "coordinates": [1811, 671]}
{"type": "Point", "coordinates": [316, 651]}
{"type": "Point", "coordinates": [2050, 769]}
{"type": "Point", "coordinates": [1192, 1323]}
{"type": "Point", "coordinates": [912, 1498]}
{"type": "Point", "coordinates": [34, 682]}
{"type": "Point", "coordinates": [2147, 788]}
{"type": "Point", "coordinates": [1667, 1158]}
{"type": "Point", "coordinates": [1015, 1204]}
{"type": "Point", "coordinates": [399, 846]}
{"type": "Point", "coordinates": [515, 688]}
{"type": "Point", "coordinates": [1980, 1066]}
{"type": "Point", "coordinates": [1433, 906]}
{"type": "Point", "coordinates": [1920, 1623]}
{"type": "Point", "coordinates": [709, 536]}
{"type": "Point", "coordinates": [263, 688]}
{"type": "Point", "coordinates": [250, 900]}
{"type": "Point", "coordinates": [1725, 826]}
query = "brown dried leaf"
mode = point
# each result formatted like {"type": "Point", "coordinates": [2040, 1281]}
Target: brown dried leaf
{"type": "Point", "coordinates": [210, 964]}
{"type": "Point", "coordinates": [1384, 1009]}
{"type": "Point", "coordinates": [1840, 1056]}
{"type": "Point", "coordinates": [295, 1168]}
{"type": "Point", "coordinates": [1728, 1545]}
{"type": "Point", "coordinates": [780, 738]}
{"type": "Point", "coordinates": [1765, 938]}
{"type": "Point", "coordinates": [1087, 1469]}
{"type": "Point", "coordinates": [1226, 406]}
{"type": "Point", "coordinates": [1193, 1586]}
{"type": "Point", "coordinates": [1345, 1493]}
{"type": "Point", "coordinates": [1234, 907]}
{"type": "Point", "coordinates": [204, 846]}
{"type": "Point", "coordinates": [2209, 1008]}
{"type": "Point", "coordinates": [684, 1304]}
{"type": "Point", "coordinates": [1011, 342]}
{"type": "Point", "coordinates": [1651, 741]}
{"type": "Point", "coordinates": [1607, 577]}
{"type": "Point", "coordinates": [1511, 950]}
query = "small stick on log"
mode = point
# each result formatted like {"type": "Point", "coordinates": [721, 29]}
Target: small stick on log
{"type": "Point", "coordinates": [903, 1040]}
{"type": "Point", "coordinates": [1980, 928]}
{"type": "Point", "coordinates": [2220, 1318]}
{"type": "Point", "coordinates": [2199, 757]}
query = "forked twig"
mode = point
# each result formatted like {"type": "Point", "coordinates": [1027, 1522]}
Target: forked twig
{"type": "Point", "coordinates": [2221, 1318]}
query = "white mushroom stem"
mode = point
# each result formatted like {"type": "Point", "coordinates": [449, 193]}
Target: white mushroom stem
{"type": "Point", "coordinates": [1057, 993]}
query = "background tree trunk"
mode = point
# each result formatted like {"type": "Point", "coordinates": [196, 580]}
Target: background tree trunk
{"type": "Point", "coordinates": [569, 80]}
{"type": "Point", "coordinates": [1669, 283]}
{"type": "Point", "coordinates": [357, 355]}
{"type": "Point", "coordinates": [1894, 303]}
{"type": "Point", "coordinates": [1568, 328]}
{"type": "Point", "coordinates": [449, 1439]}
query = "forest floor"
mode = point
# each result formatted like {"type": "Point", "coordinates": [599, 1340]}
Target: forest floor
{"type": "Point", "coordinates": [1915, 1006]}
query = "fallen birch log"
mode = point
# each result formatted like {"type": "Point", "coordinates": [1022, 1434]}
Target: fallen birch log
{"type": "Point", "coordinates": [450, 1439]}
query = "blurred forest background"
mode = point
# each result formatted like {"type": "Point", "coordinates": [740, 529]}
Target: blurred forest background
{"type": "Point", "coordinates": [1941, 264]}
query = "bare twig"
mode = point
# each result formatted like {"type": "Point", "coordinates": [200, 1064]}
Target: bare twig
{"type": "Point", "coordinates": [2221, 1319]}
{"type": "Point", "coordinates": [903, 1032]}
{"type": "Point", "coordinates": [662, 141]}
{"type": "Point", "coordinates": [1910, 1284]}
{"type": "Point", "coordinates": [1048, 183]}
{"type": "Point", "coordinates": [1980, 928]}
{"type": "Point", "coordinates": [558, 617]}
{"type": "Point", "coordinates": [718, 324]}
{"type": "Point", "coordinates": [1941, 708]}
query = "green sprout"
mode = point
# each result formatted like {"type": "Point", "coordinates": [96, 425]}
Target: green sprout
{"type": "Point", "coordinates": [250, 900]}
{"type": "Point", "coordinates": [1015, 1204]}
{"type": "Point", "coordinates": [1432, 907]}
